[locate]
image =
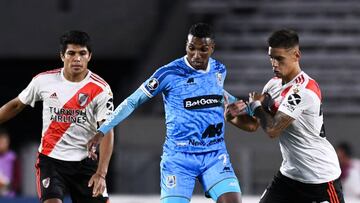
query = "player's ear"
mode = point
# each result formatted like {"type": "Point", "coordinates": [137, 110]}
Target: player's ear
{"type": "Point", "coordinates": [297, 54]}
{"type": "Point", "coordinates": [62, 56]}
{"type": "Point", "coordinates": [90, 54]}
{"type": "Point", "coordinates": [212, 47]}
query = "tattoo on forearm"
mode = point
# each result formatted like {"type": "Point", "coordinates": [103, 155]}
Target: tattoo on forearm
{"type": "Point", "coordinates": [274, 124]}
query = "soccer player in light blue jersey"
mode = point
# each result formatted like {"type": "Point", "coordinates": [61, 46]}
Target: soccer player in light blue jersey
{"type": "Point", "coordinates": [194, 148]}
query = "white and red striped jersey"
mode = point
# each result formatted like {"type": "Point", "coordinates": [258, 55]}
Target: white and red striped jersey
{"type": "Point", "coordinates": [71, 111]}
{"type": "Point", "coordinates": [308, 156]}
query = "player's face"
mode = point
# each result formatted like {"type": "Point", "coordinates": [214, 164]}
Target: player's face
{"type": "Point", "coordinates": [76, 59]}
{"type": "Point", "coordinates": [198, 51]}
{"type": "Point", "coordinates": [284, 61]}
{"type": "Point", "coordinates": [4, 143]}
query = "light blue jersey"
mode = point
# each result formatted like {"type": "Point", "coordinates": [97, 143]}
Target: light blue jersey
{"type": "Point", "coordinates": [194, 146]}
{"type": "Point", "coordinates": [193, 105]}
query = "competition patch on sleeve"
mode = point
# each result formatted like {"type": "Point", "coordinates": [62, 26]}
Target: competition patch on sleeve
{"type": "Point", "coordinates": [110, 105]}
{"type": "Point", "coordinates": [153, 84]}
{"type": "Point", "coordinates": [292, 101]}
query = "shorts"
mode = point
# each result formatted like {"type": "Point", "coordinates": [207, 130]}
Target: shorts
{"type": "Point", "coordinates": [180, 170]}
{"type": "Point", "coordinates": [55, 178]}
{"type": "Point", "coordinates": [284, 190]}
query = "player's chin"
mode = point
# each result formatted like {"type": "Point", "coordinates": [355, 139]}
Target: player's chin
{"type": "Point", "coordinates": [77, 69]}
{"type": "Point", "coordinates": [199, 66]}
{"type": "Point", "coordinates": [277, 74]}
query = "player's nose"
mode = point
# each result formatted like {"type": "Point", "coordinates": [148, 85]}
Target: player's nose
{"type": "Point", "coordinates": [197, 55]}
{"type": "Point", "coordinates": [77, 57]}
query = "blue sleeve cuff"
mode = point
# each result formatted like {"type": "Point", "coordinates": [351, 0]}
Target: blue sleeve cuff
{"type": "Point", "coordinates": [231, 98]}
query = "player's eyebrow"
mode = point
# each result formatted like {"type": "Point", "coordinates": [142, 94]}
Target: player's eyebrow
{"type": "Point", "coordinates": [76, 51]}
{"type": "Point", "coordinates": [276, 57]}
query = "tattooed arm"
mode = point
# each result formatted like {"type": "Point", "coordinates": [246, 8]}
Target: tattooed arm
{"type": "Point", "coordinates": [273, 126]}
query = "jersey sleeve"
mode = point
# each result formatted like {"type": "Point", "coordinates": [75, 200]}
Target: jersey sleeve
{"type": "Point", "coordinates": [269, 86]}
{"type": "Point", "coordinates": [294, 104]}
{"type": "Point", "coordinates": [124, 110]}
{"type": "Point", "coordinates": [30, 94]}
{"type": "Point", "coordinates": [230, 97]}
{"type": "Point", "coordinates": [158, 82]}
{"type": "Point", "coordinates": [105, 105]}
{"type": "Point", "coordinates": [266, 88]}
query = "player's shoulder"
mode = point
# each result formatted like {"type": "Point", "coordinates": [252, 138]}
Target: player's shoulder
{"type": "Point", "coordinates": [274, 82]}
{"type": "Point", "coordinates": [175, 67]}
{"type": "Point", "coordinates": [48, 73]}
{"type": "Point", "coordinates": [95, 78]}
{"type": "Point", "coordinates": [218, 66]}
{"type": "Point", "coordinates": [308, 85]}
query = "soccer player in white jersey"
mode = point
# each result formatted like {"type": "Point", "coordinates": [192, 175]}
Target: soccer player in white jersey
{"type": "Point", "coordinates": [75, 101]}
{"type": "Point", "coordinates": [290, 109]}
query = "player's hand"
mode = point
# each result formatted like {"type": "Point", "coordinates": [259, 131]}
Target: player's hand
{"type": "Point", "coordinates": [92, 145]}
{"type": "Point", "coordinates": [234, 109]}
{"type": "Point", "coordinates": [99, 184]}
{"type": "Point", "coordinates": [254, 96]}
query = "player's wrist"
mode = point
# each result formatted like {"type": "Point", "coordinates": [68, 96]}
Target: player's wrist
{"type": "Point", "coordinates": [100, 133]}
{"type": "Point", "coordinates": [267, 101]}
{"type": "Point", "coordinates": [101, 174]}
{"type": "Point", "coordinates": [254, 104]}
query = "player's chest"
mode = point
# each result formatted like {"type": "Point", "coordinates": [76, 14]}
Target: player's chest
{"type": "Point", "coordinates": [197, 85]}
{"type": "Point", "coordinates": [75, 96]}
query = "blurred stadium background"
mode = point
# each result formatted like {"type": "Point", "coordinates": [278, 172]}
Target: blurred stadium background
{"type": "Point", "coordinates": [132, 38]}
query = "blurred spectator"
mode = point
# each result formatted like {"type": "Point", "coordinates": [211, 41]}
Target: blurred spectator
{"type": "Point", "coordinates": [9, 170]}
{"type": "Point", "coordinates": [350, 167]}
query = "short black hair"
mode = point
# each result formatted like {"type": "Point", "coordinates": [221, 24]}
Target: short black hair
{"type": "Point", "coordinates": [75, 37]}
{"type": "Point", "coordinates": [346, 148]}
{"type": "Point", "coordinates": [202, 30]}
{"type": "Point", "coordinates": [284, 38]}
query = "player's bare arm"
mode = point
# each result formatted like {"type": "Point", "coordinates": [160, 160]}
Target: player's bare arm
{"type": "Point", "coordinates": [246, 122]}
{"type": "Point", "coordinates": [98, 180]}
{"type": "Point", "coordinates": [273, 126]}
{"type": "Point", "coordinates": [236, 114]}
{"type": "Point", "coordinates": [11, 109]}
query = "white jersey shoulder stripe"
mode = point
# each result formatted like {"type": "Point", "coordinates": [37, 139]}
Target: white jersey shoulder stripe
{"type": "Point", "coordinates": [55, 71]}
{"type": "Point", "coordinates": [98, 79]}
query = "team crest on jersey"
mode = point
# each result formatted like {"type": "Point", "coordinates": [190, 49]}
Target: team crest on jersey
{"type": "Point", "coordinates": [82, 99]}
{"type": "Point", "coordinates": [46, 182]}
{"type": "Point", "coordinates": [153, 84]}
{"type": "Point", "coordinates": [219, 79]}
{"type": "Point", "coordinates": [171, 181]}
{"type": "Point", "coordinates": [296, 89]}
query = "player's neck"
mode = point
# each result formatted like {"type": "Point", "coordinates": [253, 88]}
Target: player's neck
{"type": "Point", "coordinates": [75, 77]}
{"type": "Point", "coordinates": [291, 75]}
